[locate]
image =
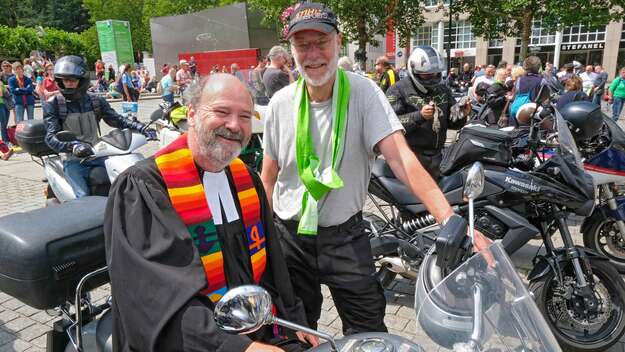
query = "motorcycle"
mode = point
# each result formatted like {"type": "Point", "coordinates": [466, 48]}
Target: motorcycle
{"type": "Point", "coordinates": [604, 160]}
{"type": "Point", "coordinates": [479, 304]}
{"type": "Point", "coordinates": [574, 286]}
{"type": "Point", "coordinates": [119, 146]}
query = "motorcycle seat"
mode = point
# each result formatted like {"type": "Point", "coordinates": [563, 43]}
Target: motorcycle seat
{"type": "Point", "coordinates": [451, 185]}
{"type": "Point", "coordinates": [104, 332]}
{"type": "Point", "coordinates": [119, 139]}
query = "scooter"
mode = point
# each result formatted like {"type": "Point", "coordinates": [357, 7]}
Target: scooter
{"type": "Point", "coordinates": [118, 146]}
{"type": "Point", "coordinates": [478, 304]}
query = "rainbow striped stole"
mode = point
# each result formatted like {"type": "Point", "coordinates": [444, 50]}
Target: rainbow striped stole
{"type": "Point", "coordinates": [187, 196]}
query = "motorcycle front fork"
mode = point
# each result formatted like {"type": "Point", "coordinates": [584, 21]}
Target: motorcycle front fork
{"type": "Point", "coordinates": [612, 205]}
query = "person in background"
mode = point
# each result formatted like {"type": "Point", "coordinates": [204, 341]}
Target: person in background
{"type": "Point", "coordinates": [234, 69]}
{"type": "Point", "coordinates": [128, 90]}
{"type": "Point", "coordinates": [99, 69]}
{"type": "Point", "coordinates": [7, 72]}
{"type": "Point", "coordinates": [137, 81]}
{"type": "Point", "coordinates": [386, 73]}
{"type": "Point", "coordinates": [256, 83]}
{"type": "Point", "coordinates": [588, 80]}
{"type": "Point", "coordinates": [466, 76]}
{"type": "Point", "coordinates": [616, 94]}
{"type": "Point", "coordinates": [574, 92]}
{"type": "Point", "coordinates": [183, 76]}
{"type": "Point", "coordinates": [346, 63]}
{"type": "Point", "coordinates": [488, 77]}
{"type": "Point", "coordinates": [4, 118]}
{"type": "Point", "coordinates": [22, 88]}
{"type": "Point", "coordinates": [28, 69]}
{"type": "Point", "coordinates": [169, 87]}
{"type": "Point", "coordinates": [192, 66]}
{"type": "Point", "coordinates": [277, 75]}
{"type": "Point", "coordinates": [151, 84]}
{"type": "Point", "coordinates": [599, 84]}
{"type": "Point", "coordinates": [110, 74]}
{"type": "Point", "coordinates": [50, 87]}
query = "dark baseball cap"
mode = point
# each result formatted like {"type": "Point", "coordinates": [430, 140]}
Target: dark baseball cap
{"type": "Point", "coordinates": [312, 16]}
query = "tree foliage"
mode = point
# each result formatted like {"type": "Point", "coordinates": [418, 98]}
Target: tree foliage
{"type": "Point", "coordinates": [18, 42]}
{"type": "Point", "coordinates": [512, 18]}
{"type": "Point", "coordinates": [360, 20]}
{"type": "Point", "coordinates": [68, 15]}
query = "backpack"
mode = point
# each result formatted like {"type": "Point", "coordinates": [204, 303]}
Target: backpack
{"type": "Point", "coordinates": [519, 100]}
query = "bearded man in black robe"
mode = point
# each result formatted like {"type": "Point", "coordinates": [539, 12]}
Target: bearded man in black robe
{"type": "Point", "coordinates": [186, 225]}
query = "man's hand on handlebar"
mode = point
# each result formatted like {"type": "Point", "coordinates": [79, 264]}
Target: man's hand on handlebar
{"type": "Point", "coordinates": [261, 347]}
{"type": "Point", "coordinates": [149, 133]}
{"type": "Point", "coordinates": [81, 150]}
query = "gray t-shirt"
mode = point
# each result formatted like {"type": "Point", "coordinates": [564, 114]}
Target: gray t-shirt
{"type": "Point", "coordinates": [370, 118]}
{"type": "Point", "coordinates": [274, 80]}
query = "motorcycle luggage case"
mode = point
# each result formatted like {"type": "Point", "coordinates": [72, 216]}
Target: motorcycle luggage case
{"type": "Point", "coordinates": [30, 135]}
{"type": "Point", "coordinates": [477, 143]}
{"type": "Point", "coordinates": [45, 252]}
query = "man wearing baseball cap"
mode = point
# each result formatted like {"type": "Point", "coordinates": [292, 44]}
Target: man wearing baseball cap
{"type": "Point", "coordinates": [183, 76]}
{"type": "Point", "coordinates": [322, 135]}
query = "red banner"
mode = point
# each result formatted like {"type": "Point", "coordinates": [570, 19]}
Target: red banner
{"type": "Point", "coordinates": [390, 40]}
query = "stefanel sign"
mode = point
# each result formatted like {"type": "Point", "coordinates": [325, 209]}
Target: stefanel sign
{"type": "Point", "coordinates": [584, 46]}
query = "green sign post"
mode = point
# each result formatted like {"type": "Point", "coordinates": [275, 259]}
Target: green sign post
{"type": "Point", "coordinates": [115, 42]}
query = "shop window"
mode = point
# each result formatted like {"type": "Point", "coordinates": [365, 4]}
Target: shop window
{"type": "Point", "coordinates": [461, 35]}
{"type": "Point", "coordinates": [423, 36]}
{"type": "Point", "coordinates": [583, 34]}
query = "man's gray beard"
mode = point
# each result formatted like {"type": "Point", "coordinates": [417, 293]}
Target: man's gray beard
{"type": "Point", "coordinates": [217, 152]}
{"type": "Point", "coordinates": [331, 72]}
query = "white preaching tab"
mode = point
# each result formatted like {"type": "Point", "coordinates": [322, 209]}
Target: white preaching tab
{"type": "Point", "coordinates": [216, 188]}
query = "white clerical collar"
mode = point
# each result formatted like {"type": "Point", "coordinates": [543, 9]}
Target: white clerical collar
{"type": "Point", "coordinates": [218, 195]}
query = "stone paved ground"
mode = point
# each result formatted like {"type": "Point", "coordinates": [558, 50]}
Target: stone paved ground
{"type": "Point", "coordinates": [23, 328]}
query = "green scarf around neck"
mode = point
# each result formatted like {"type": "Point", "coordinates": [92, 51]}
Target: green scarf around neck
{"type": "Point", "coordinates": [318, 182]}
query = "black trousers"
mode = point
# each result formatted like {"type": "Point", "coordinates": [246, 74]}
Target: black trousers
{"type": "Point", "coordinates": [339, 257]}
{"type": "Point", "coordinates": [431, 161]}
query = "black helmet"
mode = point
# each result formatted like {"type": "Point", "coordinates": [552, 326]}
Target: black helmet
{"type": "Point", "coordinates": [71, 67]}
{"type": "Point", "coordinates": [585, 119]}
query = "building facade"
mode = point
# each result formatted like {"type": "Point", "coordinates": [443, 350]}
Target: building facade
{"type": "Point", "coordinates": [589, 46]}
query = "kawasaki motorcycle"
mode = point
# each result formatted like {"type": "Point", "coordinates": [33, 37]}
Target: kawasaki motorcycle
{"type": "Point", "coordinates": [478, 303]}
{"type": "Point", "coordinates": [574, 287]}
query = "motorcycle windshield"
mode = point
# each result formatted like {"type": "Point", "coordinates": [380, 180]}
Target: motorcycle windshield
{"type": "Point", "coordinates": [483, 306]}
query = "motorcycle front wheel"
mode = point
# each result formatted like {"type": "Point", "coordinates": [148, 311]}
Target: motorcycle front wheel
{"type": "Point", "coordinates": [575, 329]}
{"type": "Point", "coordinates": [601, 234]}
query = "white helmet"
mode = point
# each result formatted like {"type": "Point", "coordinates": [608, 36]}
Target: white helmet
{"type": "Point", "coordinates": [425, 60]}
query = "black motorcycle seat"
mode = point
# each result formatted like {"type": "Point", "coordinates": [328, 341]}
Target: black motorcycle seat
{"type": "Point", "coordinates": [119, 139]}
{"type": "Point", "coordinates": [104, 333]}
{"type": "Point", "coordinates": [449, 185]}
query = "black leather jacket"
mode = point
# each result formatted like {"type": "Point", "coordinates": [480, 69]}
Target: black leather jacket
{"type": "Point", "coordinates": [54, 124]}
{"type": "Point", "coordinates": [407, 103]}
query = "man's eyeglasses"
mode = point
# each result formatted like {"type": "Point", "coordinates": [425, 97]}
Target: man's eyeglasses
{"type": "Point", "coordinates": [320, 44]}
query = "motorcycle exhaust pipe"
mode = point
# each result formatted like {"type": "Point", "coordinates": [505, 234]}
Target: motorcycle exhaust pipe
{"type": "Point", "coordinates": [394, 264]}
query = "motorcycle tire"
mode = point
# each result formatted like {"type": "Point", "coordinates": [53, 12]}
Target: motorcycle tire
{"type": "Point", "coordinates": [592, 231]}
{"type": "Point", "coordinates": [608, 335]}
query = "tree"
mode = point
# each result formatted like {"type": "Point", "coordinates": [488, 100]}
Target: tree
{"type": "Point", "coordinates": [360, 20]}
{"type": "Point", "coordinates": [68, 15]}
{"type": "Point", "coordinates": [493, 19]}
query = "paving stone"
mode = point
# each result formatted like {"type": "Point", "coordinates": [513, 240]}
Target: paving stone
{"type": "Point", "coordinates": [43, 317]}
{"type": "Point", "coordinates": [406, 312]}
{"type": "Point", "coordinates": [32, 332]}
{"type": "Point", "coordinates": [18, 324]}
{"type": "Point", "coordinates": [27, 310]}
{"type": "Point", "coordinates": [15, 345]}
{"type": "Point", "coordinates": [4, 297]}
{"type": "Point", "coordinates": [13, 304]}
{"type": "Point", "coordinates": [6, 337]}
{"type": "Point", "coordinates": [391, 308]}
{"type": "Point", "coordinates": [40, 341]}
{"type": "Point", "coordinates": [7, 315]}
{"type": "Point", "coordinates": [327, 304]}
{"type": "Point", "coordinates": [394, 322]}
{"type": "Point", "coordinates": [327, 317]}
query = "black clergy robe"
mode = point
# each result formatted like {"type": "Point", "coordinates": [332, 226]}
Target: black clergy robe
{"type": "Point", "coordinates": [156, 272]}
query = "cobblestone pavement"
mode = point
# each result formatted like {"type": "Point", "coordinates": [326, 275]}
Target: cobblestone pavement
{"type": "Point", "coordinates": [23, 328]}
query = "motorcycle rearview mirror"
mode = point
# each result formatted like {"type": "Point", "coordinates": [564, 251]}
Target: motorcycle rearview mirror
{"type": "Point", "coordinates": [245, 309]}
{"type": "Point", "coordinates": [66, 136]}
{"type": "Point", "coordinates": [475, 181]}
